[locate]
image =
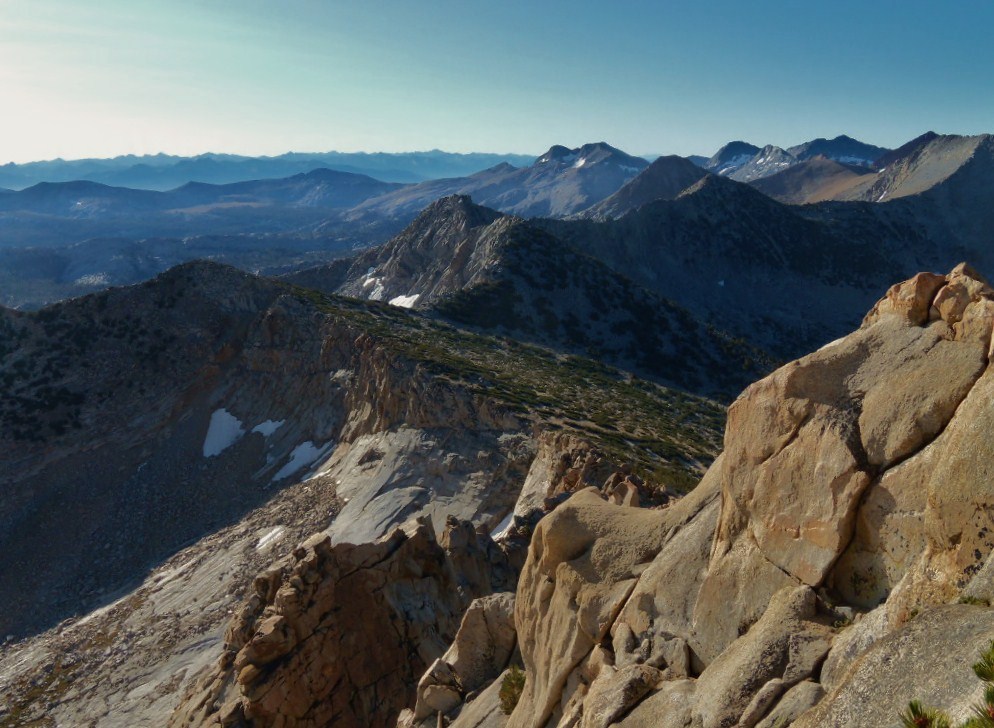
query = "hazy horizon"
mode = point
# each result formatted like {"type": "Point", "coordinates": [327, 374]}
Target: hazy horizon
{"type": "Point", "coordinates": [191, 77]}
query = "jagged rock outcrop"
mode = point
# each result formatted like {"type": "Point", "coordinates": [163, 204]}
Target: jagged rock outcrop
{"type": "Point", "coordinates": [340, 635]}
{"type": "Point", "coordinates": [854, 492]}
{"type": "Point", "coordinates": [480, 652]}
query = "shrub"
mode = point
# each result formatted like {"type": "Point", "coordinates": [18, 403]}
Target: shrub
{"type": "Point", "coordinates": [919, 716]}
{"type": "Point", "coordinates": [510, 689]}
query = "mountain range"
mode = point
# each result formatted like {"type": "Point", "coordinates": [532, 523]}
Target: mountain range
{"type": "Point", "coordinates": [165, 172]}
{"type": "Point", "coordinates": [63, 239]}
{"type": "Point", "coordinates": [746, 162]}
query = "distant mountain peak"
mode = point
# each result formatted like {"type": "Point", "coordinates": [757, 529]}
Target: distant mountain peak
{"type": "Point", "coordinates": [730, 157]}
{"type": "Point", "coordinates": [905, 150]}
{"type": "Point", "coordinates": [842, 148]}
{"type": "Point", "coordinates": [590, 154]}
{"type": "Point", "coordinates": [455, 207]}
{"type": "Point", "coordinates": [556, 153]}
{"type": "Point", "coordinates": [664, 179]}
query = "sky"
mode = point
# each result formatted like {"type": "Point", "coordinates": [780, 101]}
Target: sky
{"type": "Point", "coordinates": [110, 77]}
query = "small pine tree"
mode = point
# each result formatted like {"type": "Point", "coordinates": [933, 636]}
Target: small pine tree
{"type": "Point", "coordinates": [510, 689]}
{"type": "Point", "coordinates": [919, 716]}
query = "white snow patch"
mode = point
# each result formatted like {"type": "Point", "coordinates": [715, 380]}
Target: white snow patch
{"type": "Point", "coordinates": [733, 164]}
{"type": "Point", "coordinates": [630, 170]}
{"type": "Point", "coordinates": [93, 279]}
{"type": "Point", "coordinates": [502, 528]}
{"type": "Point", "coordinates": [268, 427]}
{"type": "Point", "coordinates": [882, 196]}
{"type": "Point", "coordinates": [224, 431]}
{"type": "Point", "coordinates": [368, 282]}
{"type": "Point", "coordinates": [270, 538]}
{"type": "Point", "coordinates": [304, 454]}
{"type": "Point", "coordinates": [377, 293]}
{"type": "Point", "coordinates": [404, 301]}
{"type": "Point", "coordinates": [580, 162]}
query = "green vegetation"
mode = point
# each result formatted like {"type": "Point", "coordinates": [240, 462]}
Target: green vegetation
{"type": "Point", "coordinates": [668, 436]}
{"type": "Point", "coordinates": [49, 687]}
{"type": "Point", "coordinates": [510, 689]}
{"type": "Point", "coordinates": [976, 601]}
{"type": "Point", "coordinates": [920, 716]}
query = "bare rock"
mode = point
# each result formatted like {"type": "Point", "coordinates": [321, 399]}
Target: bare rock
{"type": "Point", "coordinates": [929, 660]}
{"type": "Point", "coordinates": [889, 535]}
{"type": "Point", "coordinates": [804, 446]}
{"type": "Point", "coordinates": [584, 560]}
{"type": "Point", "coordinates": [796, 701]}
{"type": "Point", "coordinates": [784, 647]}
{"type": "Point", "coordinates": [481, 650]}
{"type": "Point", "coordinates": [657, 622]}
{"type": "Point", "coordinates": [910, 300]}
{"type": "Point", "coordinates": [671, 706]}
{"type": "Point", "coordinates": [615, 691]}
{"type": "Point", "coordinates": [484, 710]}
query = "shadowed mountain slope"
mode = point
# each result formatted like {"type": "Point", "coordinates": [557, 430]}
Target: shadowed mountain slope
{"type": "Point", "coordinates": [473, 266]}
{"type": "Point", "coordinates": [664, 179]}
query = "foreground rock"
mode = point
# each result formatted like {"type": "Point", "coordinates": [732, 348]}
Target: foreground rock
{"type": "Point", "coordinates": [854, 492]}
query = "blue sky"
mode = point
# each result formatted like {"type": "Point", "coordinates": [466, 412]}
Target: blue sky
{"type": "Point", "coordinates": [246, 76]}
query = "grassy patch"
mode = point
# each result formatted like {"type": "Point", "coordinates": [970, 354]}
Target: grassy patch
{"type": "Point", "coordinates": [667, 435]}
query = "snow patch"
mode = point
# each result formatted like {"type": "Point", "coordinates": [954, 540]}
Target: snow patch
{"type": "Point", "coordinates": [850, 159]}
{"type": "Point", "coordinates": [501, 529]}
{"type": "Point", "coordinates": [269, 538]}
{"type": "Point", "coordinates": [268, 427]}
{"type": "Point", "coordinates": [93, 279]}
{"type": "Point", "coordinates": [882, 196]}
{"type": "Point", "coordinates": [224, 431]}
{"type": "Point", "coordinates": [404, 301]}
{"type": "Point", "coordinates": [580, 162]}
{"type": "Point", "coordinates": [377, 293]}
{"type": "Point", "coordinates": [303, 455]}
{"type": "Point", "coordinates": [733, 164]}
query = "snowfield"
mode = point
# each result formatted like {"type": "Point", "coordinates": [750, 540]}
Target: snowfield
{"type": "Point", "coordinates": [404, 301]}
{"type": "Point", "coordinates": [224, 431]}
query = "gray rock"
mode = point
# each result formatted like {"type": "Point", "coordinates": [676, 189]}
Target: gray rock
{"type": "Point", "coordinates": [929, 660]}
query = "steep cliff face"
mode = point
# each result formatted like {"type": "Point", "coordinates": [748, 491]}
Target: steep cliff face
{"type": "Point", "coordinates": [825, 548]}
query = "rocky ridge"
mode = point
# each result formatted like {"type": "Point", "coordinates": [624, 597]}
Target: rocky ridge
{"type": "Point", "coordinates": [269, 414]}
{"type": "Point", "coordinates": [812, 578]}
